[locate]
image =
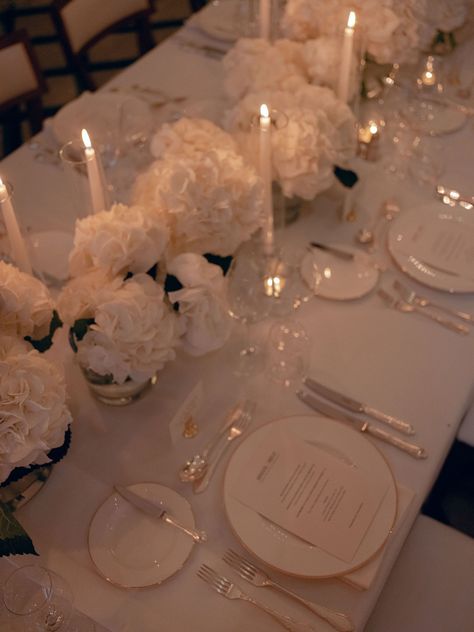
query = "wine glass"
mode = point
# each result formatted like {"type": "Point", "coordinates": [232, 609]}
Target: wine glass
{"type": "Point", "coordinates": [287, 352]}
{"type": "Point", "coordinates": [38, 600]}
{"type": "Point", "coordinates": [248, 304]}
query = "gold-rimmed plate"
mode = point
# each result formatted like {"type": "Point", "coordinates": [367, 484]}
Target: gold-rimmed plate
{"type": "Point", "coordinates": [279, 548]}
{"type": "Point", "coordinates": [133, 550]}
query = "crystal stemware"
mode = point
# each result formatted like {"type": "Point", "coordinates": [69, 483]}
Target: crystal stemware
{"type": "Point", "coordinates": [38, 600]}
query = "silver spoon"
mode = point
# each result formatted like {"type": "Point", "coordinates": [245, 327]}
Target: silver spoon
{"type": "Point", "coordinates": [196, 466]}
{"type": "Point", "coordinates": [388, 211]}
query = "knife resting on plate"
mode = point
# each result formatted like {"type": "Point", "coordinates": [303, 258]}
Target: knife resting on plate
{"type": "Point", "coordinates": [155, 511]}
{"type": "Point", "coordinates": [363, 426]}
{"type": "Point", "coordinates": [358, 407]}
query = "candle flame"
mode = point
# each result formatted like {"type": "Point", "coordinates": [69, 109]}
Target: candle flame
{"type": "Point", "coordinates": [2, 185]}
{"type": "Point", "coordinates": [373, 128]}
{"type": "Point", "coordinates": [351, 21]}
{"type": "Point", "coordinates": [86, 139]}
{"type": "Point", "coordinates": [264, 111]}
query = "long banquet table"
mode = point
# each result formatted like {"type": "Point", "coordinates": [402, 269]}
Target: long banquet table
{"type": "Point", "coordinates": [403, 364]}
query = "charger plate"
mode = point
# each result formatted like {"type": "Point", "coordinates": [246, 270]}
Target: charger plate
{"type": "Point", "coordinates": [133, 550]}
{"type": "Point", "coordinates": [279, 548]}
{"type": "Point", "coordinates": [449, 230]}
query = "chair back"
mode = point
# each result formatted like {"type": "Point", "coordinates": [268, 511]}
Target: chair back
{"type": "Point", "coordinates": [20, 76]}
{"type": "Point", "coordinates": [82, 22]}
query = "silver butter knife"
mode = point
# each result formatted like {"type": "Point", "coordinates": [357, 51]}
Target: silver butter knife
{"type": "Point", "coordinates": [334, 250]}
{"type": "Point", "coordinates": [358, 407]}
{"type": "Point", "coordinates": [363, 426]}
{"type": "Point", "coordinates": [155, 511]}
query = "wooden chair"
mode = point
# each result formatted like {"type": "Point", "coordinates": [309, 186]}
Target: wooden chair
{"type": "Point", "coordinates": [430, 586]}
{"type": "Point", "coordinates": [82, 23]}
{"type": "Point", "coordinates": [21, 87]}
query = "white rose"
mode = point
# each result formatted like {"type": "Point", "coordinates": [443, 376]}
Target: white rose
{"type": "Point", "coordinates": [33, 413]}
{"type": "Point", "coordinates": [134, 333]}
{"type": "Point", "coordinates": [120, 240]}
{"type": "Point", "coordinates": [26, 307]}
{"type": "Point", "coordinates": [203, 306]}
{"type": "Point", "coordinates": [448, 15]}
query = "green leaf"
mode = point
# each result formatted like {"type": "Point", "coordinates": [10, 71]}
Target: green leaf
{"type": "Point", "coordinates": [13, 538]}
{"type": "Point", "coordinates": [78, 331]}
{"type": "Point", "coordinates": [45, 343]}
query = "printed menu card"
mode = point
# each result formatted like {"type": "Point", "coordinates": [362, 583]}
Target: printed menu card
{"type": "Point", "coordinates": [446, 244]}
{"type": "Point", "coordinates": [316, 495]}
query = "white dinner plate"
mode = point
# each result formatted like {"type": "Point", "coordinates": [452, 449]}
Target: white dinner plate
{"type": "Point", "coordinates": [436, 119]}
{"type": "Point", "coordinates": [435, 246]}
{"type": "Point", "coordinates": [99, 113]}
{"type": "Point", "coordinates": [279, 548]}
{"type": "Point", "coordinates": [133, 550]}
{"type": "Point", "coordinates": [332, 277]}
{"type": "Point", "coordinates": [222, 22]}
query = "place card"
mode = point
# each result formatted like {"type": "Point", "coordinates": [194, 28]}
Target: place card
{"type": "Point", "coordinates": [186, 413]}
{"type": "Point", "coordinates": [311, 493]}
{"type": "Point", "coordinates": [448, 245]}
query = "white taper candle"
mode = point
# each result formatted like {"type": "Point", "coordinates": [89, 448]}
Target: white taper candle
{"type": "Point", "coordinates": [345, 73]}
{"type": "Point", "coordinates": [94, 174]}
{"type": "Point", "coordinates": [265, 124]}
{"type": "Point", "coordinates": [19, 252]}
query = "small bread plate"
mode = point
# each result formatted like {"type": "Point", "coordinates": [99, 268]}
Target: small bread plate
{"type": "Point", "coordinates": [133, 550]}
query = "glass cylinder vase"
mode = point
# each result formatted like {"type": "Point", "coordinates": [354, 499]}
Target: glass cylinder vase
{"type": "Point", "coordinates": [108, 391]}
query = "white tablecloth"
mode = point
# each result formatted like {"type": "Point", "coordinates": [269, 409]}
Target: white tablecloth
{"type": "Point", "coordinates": [399, 363]}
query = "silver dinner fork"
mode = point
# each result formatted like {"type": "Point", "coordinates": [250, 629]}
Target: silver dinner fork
{"type": "Point", "coordinates": [236, 429]}
{"type": "Point", "coordinates": [403, 306]}
{"type": "Point", "coordinates": [257, 577]}
{"type": "Point", "coordinates": [228, 589]}
{"type": "Point", "coordinates": [410, 296]}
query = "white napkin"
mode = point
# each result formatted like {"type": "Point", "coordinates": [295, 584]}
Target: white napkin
{"type": "Point", "coordinates": [363, 577]}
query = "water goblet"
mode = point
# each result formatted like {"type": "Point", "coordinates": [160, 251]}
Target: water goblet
{"type": "Point", "coordinates": [38, 600]}
{"type": "Point", "coordinates": [248, 305]}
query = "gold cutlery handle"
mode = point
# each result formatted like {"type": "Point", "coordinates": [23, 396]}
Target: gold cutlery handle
{"type": "Point", "coordinates": [410, 448]}
{"type": "Point", "coordinates": [287, 622]}
{"type": "Point", "coordinates": [447, 310]}
{"type": "Point", "coordinates": [195, 534]}
{"type": "Point", "coordinates": [392, 421]}
{"type": "Point", "coordinates": [458, 328]}
{"type": "Point", "coordinates": [338, 620]}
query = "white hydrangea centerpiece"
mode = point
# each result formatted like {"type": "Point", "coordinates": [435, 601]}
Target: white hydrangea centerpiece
{"type": "Point", "coordinates": [124, 239]}
{"type": "Point", "coordinates": [33, 412]}
{"type": "Point", "coordinates": [319, 134]}
{"type": "Point", "coordinates": [26, 307]}
{"type": "Point", "coordinates": [208, 196]}
{"type": "Point", "coordinates": [122, 329]}
{"type": "Point", "coordinates": [396, 31]}
{"type": "Point", "coordinates": [203, 308]}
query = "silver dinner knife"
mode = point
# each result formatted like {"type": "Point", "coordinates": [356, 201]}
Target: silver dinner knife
{"type": "Point", "coordinates": [363, 426]}
{"type": "Point", "coordinates": [358, 407]}
{"type": "Point", "coordinates": [155, 511]}
{"type": "Point", "coordinates": [334, 250]}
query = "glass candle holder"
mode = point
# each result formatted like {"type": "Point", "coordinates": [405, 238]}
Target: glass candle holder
{"type": "Point", "coordinates": [86, 179]}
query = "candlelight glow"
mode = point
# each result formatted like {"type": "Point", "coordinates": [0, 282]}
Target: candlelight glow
{"type": "Point", "coordinates": [373, 128]}
{"type": "Point", "coordinates": [351, 21]}
{"type": "Point", "coordinates": [2, 186]}
{"type": "Point", "coordinates": [86, 139]}
{"type": "Point", "coordinates": [264, 111]}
